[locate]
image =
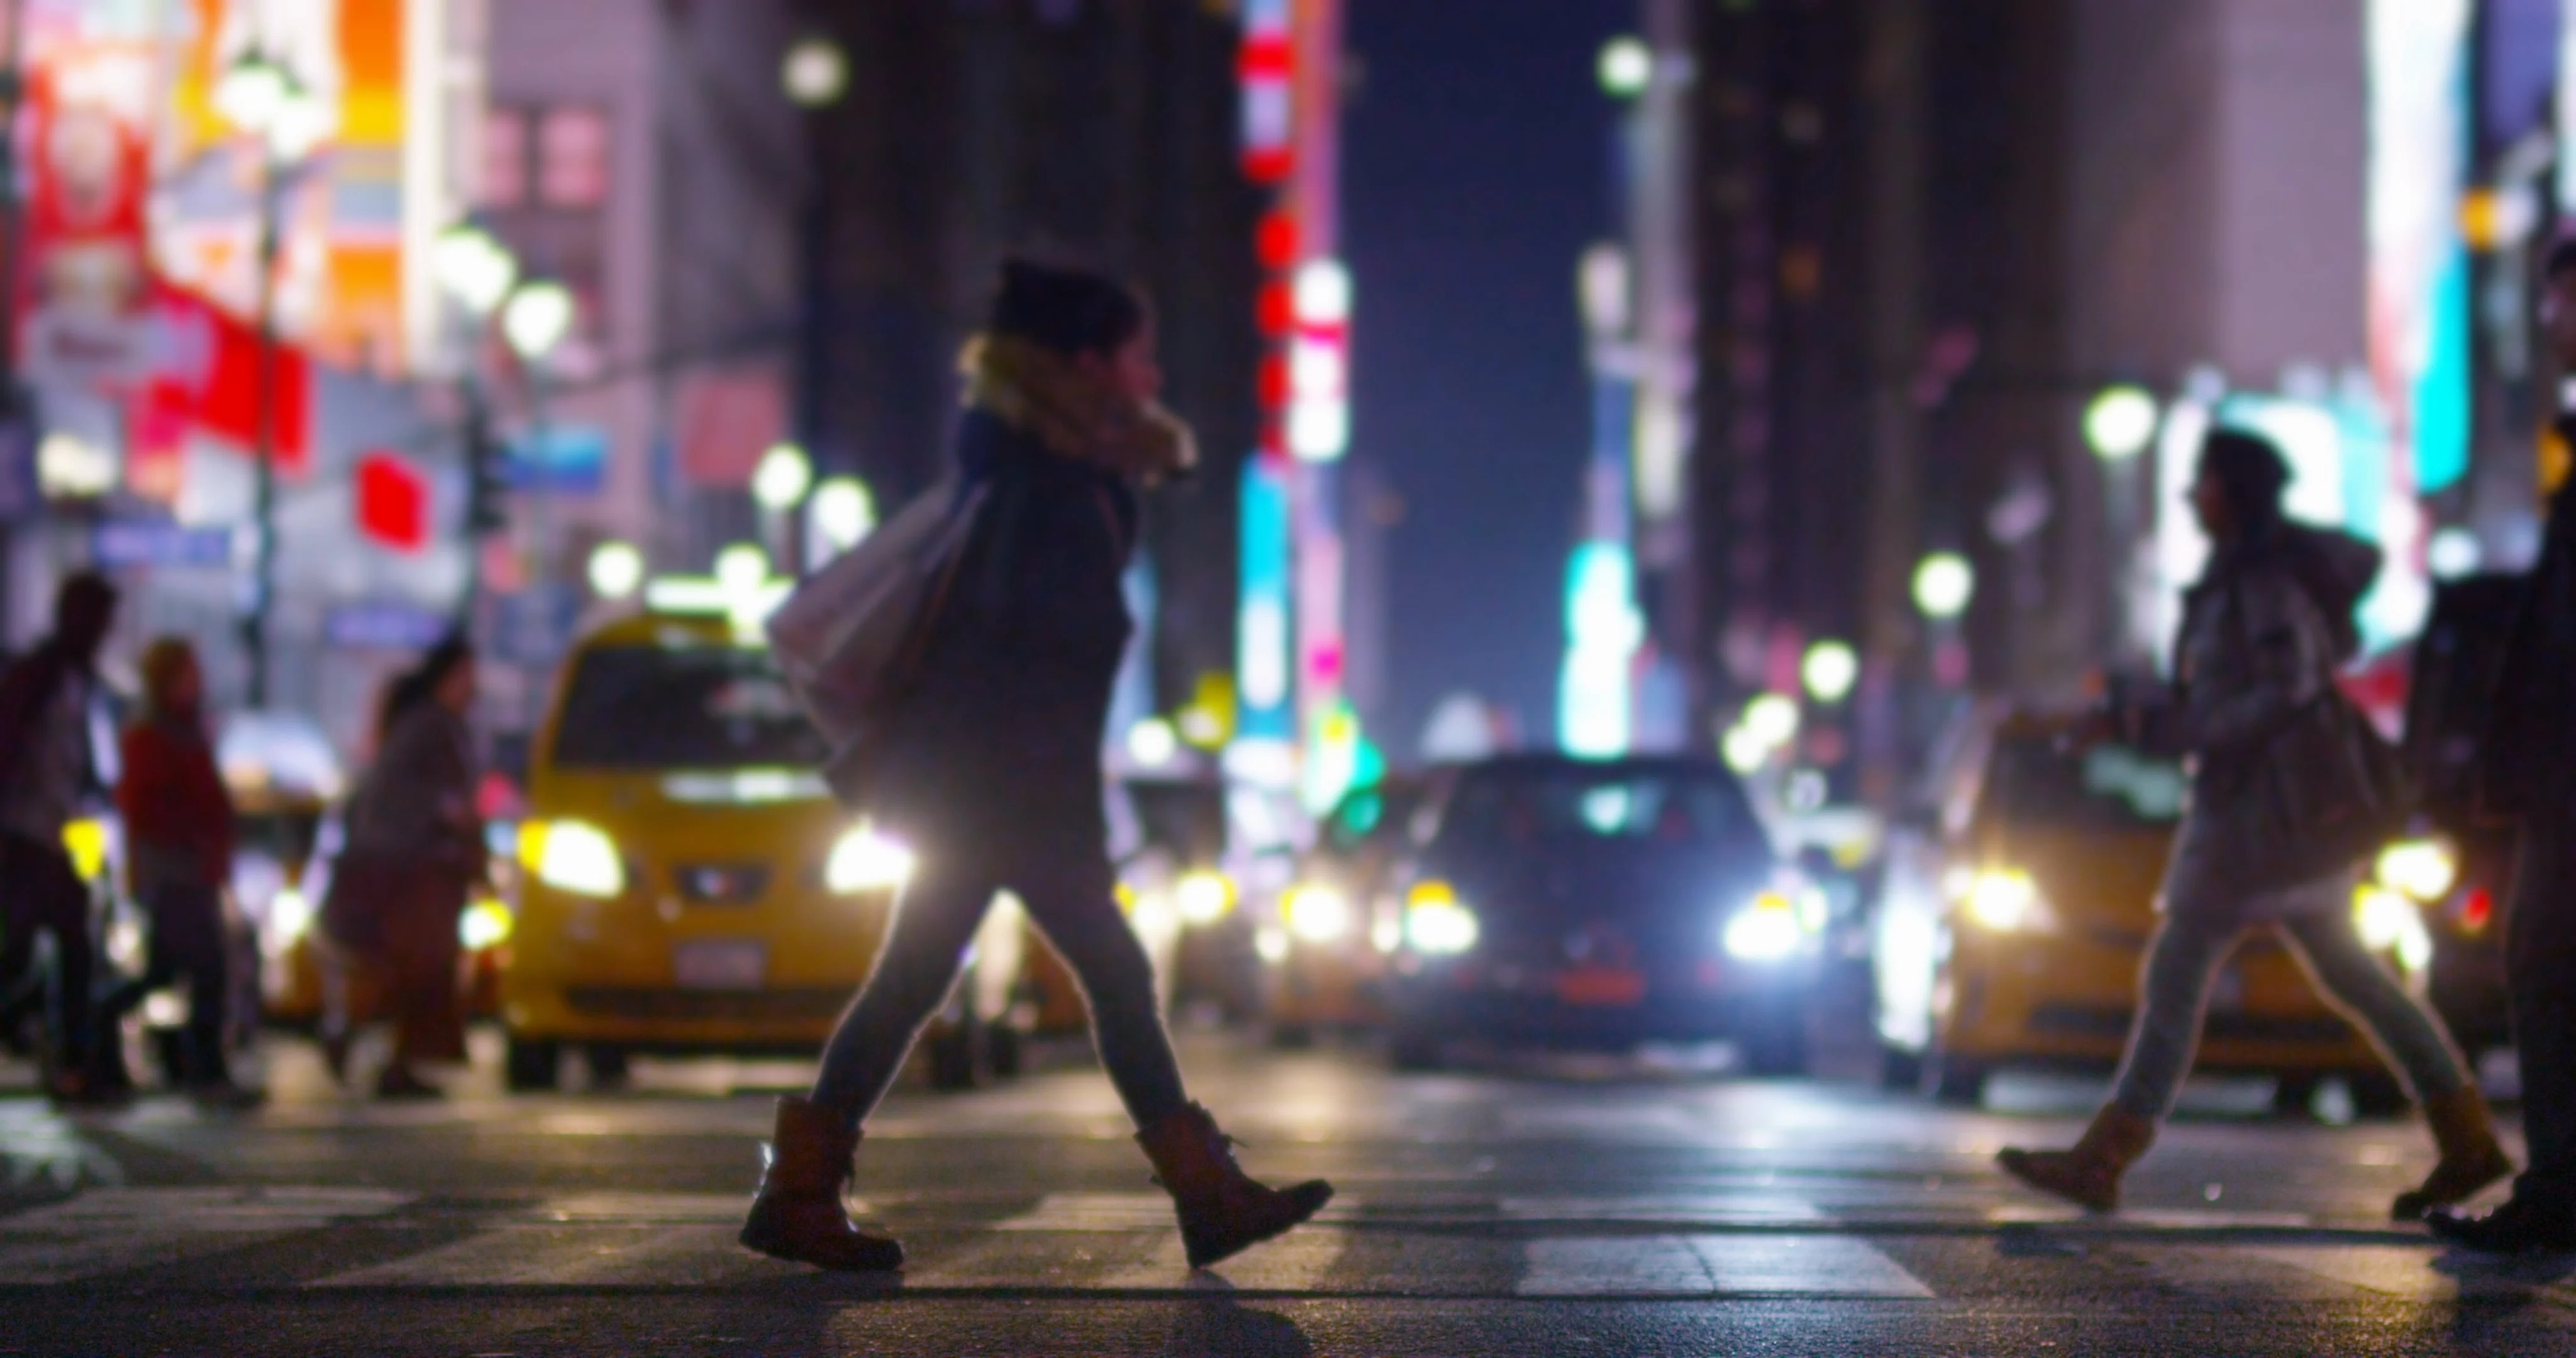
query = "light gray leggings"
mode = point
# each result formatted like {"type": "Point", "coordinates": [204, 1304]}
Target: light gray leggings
{"type": "Point", "coordinates": [2184, 959]}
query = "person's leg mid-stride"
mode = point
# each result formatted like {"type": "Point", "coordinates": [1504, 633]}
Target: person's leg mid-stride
{"type": "Point", "coordinates": [799, 1214]}
{"type": "Point", "coordinates": [2180, 964]}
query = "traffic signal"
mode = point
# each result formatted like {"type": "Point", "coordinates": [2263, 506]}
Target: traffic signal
{"type": "Point", "coordinates": [487, 507]}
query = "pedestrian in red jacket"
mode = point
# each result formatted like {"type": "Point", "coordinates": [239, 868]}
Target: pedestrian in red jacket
{"type": "Point", "coordinates": [179, 833]}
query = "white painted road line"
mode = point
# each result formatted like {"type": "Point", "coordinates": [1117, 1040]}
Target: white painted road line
{"type": "Point", "coordinates": [117, 1230]}
{"type": "Point", "coordinates": [1714, 1266]}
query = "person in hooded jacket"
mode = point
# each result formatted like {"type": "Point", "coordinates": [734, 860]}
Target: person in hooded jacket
{"type": "Point", "coordinates": [2276, 758]}
{"type": "Point", "coordinates": [179, 837]}
{"type": "Point", "coordinates": [991, 771]}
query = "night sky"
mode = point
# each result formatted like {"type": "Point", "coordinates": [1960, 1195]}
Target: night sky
{"type": "Point", "coordinates": [1475, 172]}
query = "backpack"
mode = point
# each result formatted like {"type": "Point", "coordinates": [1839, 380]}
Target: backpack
{"type": "Point", "coordinates": [850, 639]}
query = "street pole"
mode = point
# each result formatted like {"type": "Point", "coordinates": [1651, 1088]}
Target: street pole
{"type": "Point", "coordinates": [255, 626]}
{"type": "Point", "coordinates": [16, 412]}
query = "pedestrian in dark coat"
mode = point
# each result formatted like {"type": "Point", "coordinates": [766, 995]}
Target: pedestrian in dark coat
{"type": "Point", "coordinates": [179, 852]}
{"type": "Point", "coordinates": [993, 771]}
{"type": "Point", "coordinates": [415, 851]}
{"type": "Point", "coordinates": [48, 769]}
{"type": "Point", "coordinates": [2280, 817]}
{"type": "Point", "coordinates": [2529, 780]}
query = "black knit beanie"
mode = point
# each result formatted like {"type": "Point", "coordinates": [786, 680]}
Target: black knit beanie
{"type": "Point", "coordinates": [1068, 311]}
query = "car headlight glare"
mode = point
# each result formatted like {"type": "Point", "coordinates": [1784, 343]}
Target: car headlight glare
{"type": "Point", "coordinates": [577, 857]}
{"type": "Point", "coordinates": [2389, 922]}
{"type": "Point", "coordinates": [2004, 900]}
{"type": "Point", "coordinates": [1203, 896]}
{"type": "Point", "coordinates": [864, 860]}
{"type": "Point", "coordinates": [485, 924]}
{"type": "Point", "coordinates": [1436, 922]}
{"type": "Point", "coordinates": [1317, 914]}
{"type": "Point", "coordinates": [1767, 930]}
{"type": "Point", "coordinates": [2422, 869]}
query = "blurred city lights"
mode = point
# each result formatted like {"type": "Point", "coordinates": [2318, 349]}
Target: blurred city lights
{"type": "Point", "coordinates": [2453, 553]}
{"type": "Point", "coordinates": [1831, 670]}
{"type": "Point", "coordinates": [1627, 66]}
{"type": "Point", "coordinates": [741, 567]}
{"type": "Point", "coordinates": [816, 73]}
{"type": "Point", "coordinates": [476, 270]}
{"type": "Point", "coordinates": [1323, 293]}
{"type": "Point", "coordinates": [2121, 422]}
{"type": "Point", "coordinates": [1943, 585]}
{"type": "Point", "coordinates": [537, 319]}
{"type": "Point", "coordinates": [616, 570]}
{"type": "Point", "coordinates": [843, 511]}
{"type": "Point", "coordinates": [1153, 744]}
{"type": "Point", "coordinates": [1772, 718]}
{"type": "Point", "coordinates": [782, 478]}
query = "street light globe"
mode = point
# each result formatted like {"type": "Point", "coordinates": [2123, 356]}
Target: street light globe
{"type": "Point", "coordinates": [844, 512]}
{"type": "Point", "coordinates": [616, 570]}
{"type": "Point", "coordinates": [1831, 670]}
{"type": "Point", "coordinates": [816, 73]}
{"type": "Point", "coordinates": [1627, 67]}
{"type": "Point", "coordinates": [782, 478]}
{"type": "Point", "coordinates": [1772, 718]}
{"type": "Point", "coordinates": [1944, 584]}
{"type": "Point", "coordinates": [2121, 422]}
{"type": "Point", "coordinates": [741, 568]}
{"type": "Point", "coordinates": [251, 91]}
{"type": "Point", "coordinates": [476, 270]}
{"type": "Point", "coordinates": [537, 319]}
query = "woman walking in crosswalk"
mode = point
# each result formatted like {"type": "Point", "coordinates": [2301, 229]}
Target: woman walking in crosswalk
{"type": "Point", "coordinates": [2283, 807]}
{"type": "Point", "coordinates": [993, 771]}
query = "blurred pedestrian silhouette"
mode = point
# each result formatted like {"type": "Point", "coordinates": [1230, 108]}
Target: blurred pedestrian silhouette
{"type": "Point", "coordinates": [48, 774]}
{"type": "Point", "coordinates": [414, 853]}
{"type": "Point", "coordinates": [179, 855]}
{"type": "Point", "coordinates": [2529, 778]}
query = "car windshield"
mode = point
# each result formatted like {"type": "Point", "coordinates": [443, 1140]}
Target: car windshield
{"type": "Point", "coordinates": [2109, 787]}
{"type": "Point", "coordinates": [682, 707]}
{"type": "Point", "coordinates": [1532, 806]}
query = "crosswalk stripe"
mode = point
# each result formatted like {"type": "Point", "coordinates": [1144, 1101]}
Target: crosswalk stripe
{"type": "Point", "coordinates": [2412, 1273]}
{"type": "Point", "coordinates": [1634, 1266]}
{"type": "Point", "coordinates": [667, 1255]}
{"type": "Point", "coordinates": [1734, 1209]}
{"type": "Point", "coordinates": [118, 1230]}
{"type": "Point", "coordinates": [1713, 1265]}
{"type": "Point", "coordinates": [1296, 1262]}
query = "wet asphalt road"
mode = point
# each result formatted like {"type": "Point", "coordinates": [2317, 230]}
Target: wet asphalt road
{"type": "Point", "coordinates": [1561, 1207]}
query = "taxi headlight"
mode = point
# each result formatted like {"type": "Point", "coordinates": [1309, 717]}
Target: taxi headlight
{"type": "Point", "coordinates": [1436, 922]}
{"type": "Point", "coordinates": [485, 924]}
{"type": "Point", "coordinates": [2005, 900]}
{"type": "Point", "coordinates": [290, 917]}
{"type": "Point", "coordinates": [1318, 914]}
{"type": "Point", "coordinates": [864, 860]}
{"type": "Point", "coordinates": [574, 856]}
{"type": "Point", "coordinates": [1771, 928]}
{"type": "Point", "coordinates": [1203, 896]}
{"type": "Point", "coordinates": [2423, 869]}
{"type": "Point", "coordinates": [2387, 921]}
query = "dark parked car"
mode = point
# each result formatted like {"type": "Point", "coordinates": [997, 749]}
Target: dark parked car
{"type": "Point", "coordinates": [1550, 901]}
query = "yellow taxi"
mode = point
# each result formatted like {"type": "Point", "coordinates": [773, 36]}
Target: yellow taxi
{"type": "Point", "coordinates": [687, 882]}
{"type": "Point", "coordinates": [2016, 911]}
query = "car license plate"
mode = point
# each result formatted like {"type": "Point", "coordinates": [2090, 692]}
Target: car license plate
{"type": "Point", "coordinates": [1601, 986]}
{"type": "Point", "coordinates": [726, 965]}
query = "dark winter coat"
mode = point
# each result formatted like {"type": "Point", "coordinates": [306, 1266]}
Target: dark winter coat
{"type": "Point", "coordinates": [2531, 731]}
{"type": "Point", "coordinates": [999, 744]}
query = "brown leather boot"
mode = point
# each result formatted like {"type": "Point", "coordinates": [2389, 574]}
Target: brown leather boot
{"type": "Point", "coordinates": [1223, 1211]}
{"type": "Point", "coordinates": [2089, 1175]}
{"type": "Point", "coordinates": [798, 1215]}
{"type": "Point", "coordinates": [2472, 1158]}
